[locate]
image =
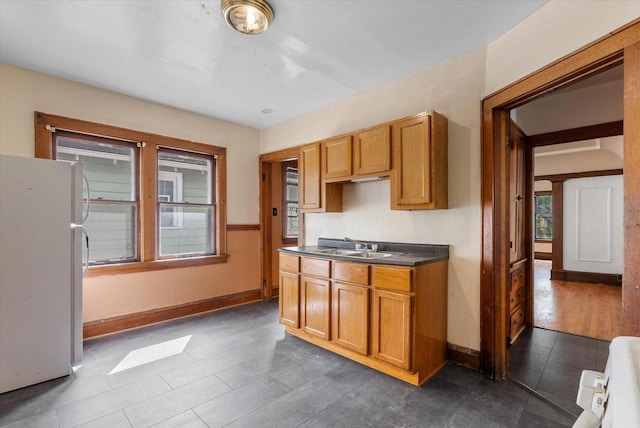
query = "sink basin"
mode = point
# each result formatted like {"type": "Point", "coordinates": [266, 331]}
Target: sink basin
{"type": "Point", "coordinates": [375, 255]}
{"type": "Point", "coordinates": [340, 252]}
{"type": "Point", "coordinates": [353, 253]}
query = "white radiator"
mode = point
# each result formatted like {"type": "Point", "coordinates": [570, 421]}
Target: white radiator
{"type": "Point", "coordinates": [612, 399]}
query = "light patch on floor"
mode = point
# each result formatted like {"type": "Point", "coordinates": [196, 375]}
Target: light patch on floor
{"type": "Point", "coordinates": [151, 353]}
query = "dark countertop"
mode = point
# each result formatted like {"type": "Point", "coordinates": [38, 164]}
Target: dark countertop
{"type": "Point", "coordinates": [404, 254]}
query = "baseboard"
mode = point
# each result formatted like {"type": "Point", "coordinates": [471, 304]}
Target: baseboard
{"type": "Point", "coordinates": [542, 256]}
{"type": "Point", "coordinates": [139, 319]}
{"type": "Point", "coordinates": [463, 356]}
{"type": "Point", "coordinates": [589, 277]}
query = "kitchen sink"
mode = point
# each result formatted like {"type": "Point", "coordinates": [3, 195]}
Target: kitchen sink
{"type": "Point", "coordinates": [339, 252]}
{"type": "Point", "coordinates": [355, 254]}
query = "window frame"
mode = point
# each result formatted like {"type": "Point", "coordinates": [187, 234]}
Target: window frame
{"type": "Point", "coordinates": [286, 238]}
{"type": "Point", "coordinates": [149, 260]}
{"type": "Point", "coordinates": [535, 214]}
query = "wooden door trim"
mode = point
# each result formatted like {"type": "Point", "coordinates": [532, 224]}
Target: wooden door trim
{"type": "Point", "coordinates": [266, 161]}
{"type": "Point", "coordinates": [631, 231]}
{"type": "Point", "coordinates": [609, 129]}
{"type": "Point", "coordinates": [599, 55]}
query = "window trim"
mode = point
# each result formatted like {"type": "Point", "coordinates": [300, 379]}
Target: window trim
{"type": "Point", "coordinates": [535, 194]}
{"type": "Point", "coordinates": [45, 124]}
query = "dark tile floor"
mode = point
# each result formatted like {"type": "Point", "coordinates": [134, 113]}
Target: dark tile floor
{"type": "Point", "coordinates": [551, 363]}
{"type": "Point", "coordinates": [237, 368]}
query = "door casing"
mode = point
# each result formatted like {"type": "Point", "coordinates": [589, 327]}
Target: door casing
{"type": "Point", "coordinates": [622, 45]}
{"type": "Point", "coordinates": [270, 164]}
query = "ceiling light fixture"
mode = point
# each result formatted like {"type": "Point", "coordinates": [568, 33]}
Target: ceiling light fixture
{"type": "Point", "coordinates": [247, 16]}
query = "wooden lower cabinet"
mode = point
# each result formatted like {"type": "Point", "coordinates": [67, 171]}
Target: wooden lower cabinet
{"type": "Point", "coordinates": [289, 299]}
{"type": "Point", "coordinates": [390, 318]}
{"type": "Point", "coordinates": [350, 317]}
{"type": "Point", "coordinates": [315, 304]}
{"type": "Point", "coordinates": [391, 329]}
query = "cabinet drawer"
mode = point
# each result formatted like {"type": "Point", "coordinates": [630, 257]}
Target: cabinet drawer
{"type": "Point", "coordinates": [357, 273]}
{"type": "Point", "coordinates": [289, 263]}
{"type": "Point", "coordinates": [316, 267]}
{"type": "Point", "coordinates": [517, 322]}
{"type": "Point", "coordinates": [392, 278]}
{"type": "Point", "coordinates": [517, 289]}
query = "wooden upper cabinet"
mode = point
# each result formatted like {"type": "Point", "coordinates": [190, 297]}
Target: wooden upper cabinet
{"type": "Point", "coordinates": [420, 163]}
{"type": "Point", "coordinates": [309, 182]}
{"type": "Point", "coordinates": [316, 196]}
{"type": "Point", "coordinates": [372, 151]}
{"type": "Point", "coordinates": [337, 158]}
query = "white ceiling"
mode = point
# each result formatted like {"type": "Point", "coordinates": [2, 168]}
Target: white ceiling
{"type": "Point", "coordinates": [181, 53]}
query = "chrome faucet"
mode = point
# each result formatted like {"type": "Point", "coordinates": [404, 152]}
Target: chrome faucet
{"type": "Point", "coordinates": [362, 246]}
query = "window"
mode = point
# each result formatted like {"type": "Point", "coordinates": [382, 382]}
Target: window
{"type": "Point", "coordinates": [290, 199]}
{"type": "Point", "coordinates": [544, 218]}
{"type": "Point", "coordinates": [111, 167]}
{"type": "Point", "coordinates": [185, 203]}
{"type": "Point", "coordinates": [156, 202]}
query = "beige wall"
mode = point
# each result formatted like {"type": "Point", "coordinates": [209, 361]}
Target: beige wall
{"type": "Point", "coordinates": [455, 89]}
{"type": "Point", "coordinates": [555, 30]}
{"type": "Point", "coordinates": [22, 92]}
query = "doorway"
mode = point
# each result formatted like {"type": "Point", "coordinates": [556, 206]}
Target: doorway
{"type": "Point", "coordinates": [573, 138]}
{"type": "Point", "coordinates": [280, 224]}
{"type": "Point", "coordinates": [623, 46]}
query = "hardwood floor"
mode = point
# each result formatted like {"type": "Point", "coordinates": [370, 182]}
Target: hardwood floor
{"type": "Point", "coordinates": [590, 310]}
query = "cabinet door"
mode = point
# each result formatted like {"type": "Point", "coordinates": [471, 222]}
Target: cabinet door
{"type": "Point", "coordinates": [314, 306]}
{"type": "Point", "coordinates": [309, 165]}
{"type": "Point", "coordinates": [336, 158]}
{"type": "Point", "coordinates": [373, 151]}
{"type": "Point", "coordinates": [411, 184]}
{"type": "Point", "coordinates": [350, 317]}
{"type": "Point", "coordinates": [516, 194]}
{"type": "Point", "coordinates": [289, 299]}
{"type": "Point", "coordinates": [391, 332]}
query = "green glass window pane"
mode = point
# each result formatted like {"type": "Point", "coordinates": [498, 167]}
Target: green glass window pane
{"type": "Point", "coordinates": [110, 168]}
{"type": "Point", "coordinates": [185, 230]}
{"type": "Point", "coordinates": [544, 217]}
{"type": "Point", "coordinates": [183, 177]}
{"type": "Point", "coordinates": [112, 230]}
{"type": "Point", "coordinates": [292, 220]}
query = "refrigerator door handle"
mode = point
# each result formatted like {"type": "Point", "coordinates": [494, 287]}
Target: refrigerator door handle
{"type": "Point", "coordinates": [85, 268]}
{"type": "Point", "coordinates": [85, 264]}
{"type": "Point", "coordinates": [85, 214]}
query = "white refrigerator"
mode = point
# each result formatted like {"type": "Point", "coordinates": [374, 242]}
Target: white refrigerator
{"type": "Point", "coordinates": [41, 267]}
